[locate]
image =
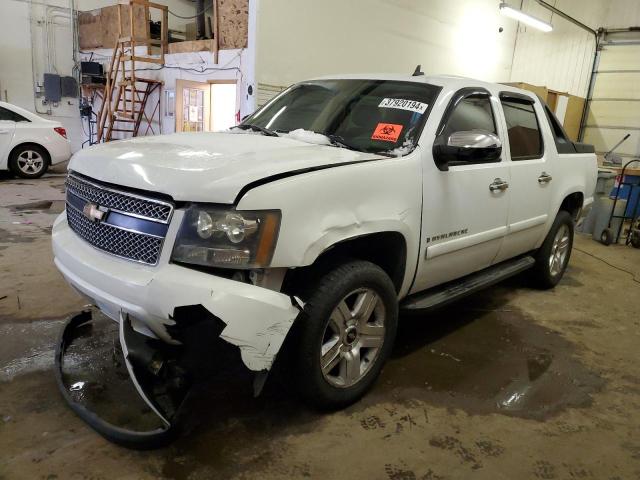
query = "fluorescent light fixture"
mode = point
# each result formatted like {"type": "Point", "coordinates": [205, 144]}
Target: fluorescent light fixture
{"type": "Point", "coordinates": [525, 18]}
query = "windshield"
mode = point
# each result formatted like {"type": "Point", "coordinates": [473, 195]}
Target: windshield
{"type": "Point", "coordinates": [366, 115]}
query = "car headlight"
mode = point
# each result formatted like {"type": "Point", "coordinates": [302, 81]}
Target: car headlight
{"type": "Point", "coordinates": [216, 237]}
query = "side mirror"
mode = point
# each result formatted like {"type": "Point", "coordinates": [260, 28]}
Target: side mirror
{"type": "Point", "coordinates": [470, 146]}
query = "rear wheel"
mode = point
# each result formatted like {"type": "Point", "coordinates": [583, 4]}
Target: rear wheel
{"type": "Point", "coordinates": [553, 256]}
{"type": "Point", "coordinates": [347, 335]}
{"type": "Point", "coordinates": [29, 161]}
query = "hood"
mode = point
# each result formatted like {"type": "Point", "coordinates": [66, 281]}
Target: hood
{"type": "Point", "coordinates": [204, 167]}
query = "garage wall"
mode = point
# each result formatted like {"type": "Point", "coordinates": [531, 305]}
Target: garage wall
{"type": "Point", "coordinates": [562, 60]}
{"type": "Point", "coordinates": [22, 32]}
{"type": "Point", "coordinates": [334, 36]}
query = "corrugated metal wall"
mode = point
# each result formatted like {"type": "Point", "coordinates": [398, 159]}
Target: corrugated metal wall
{"type": "Point", "coordinates": [560, 60]}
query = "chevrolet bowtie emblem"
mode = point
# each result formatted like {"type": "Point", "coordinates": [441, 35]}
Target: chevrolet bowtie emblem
{"type": "Point", "coordinates": [92, 212]}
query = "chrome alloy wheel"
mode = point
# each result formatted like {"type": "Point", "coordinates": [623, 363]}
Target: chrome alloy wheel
{"type": "Point", "coordinates": [30, 162]}
{"type": "Point", "coordinates": [353, 338]}
{"type": "Point", "coordinates": [559, 251]}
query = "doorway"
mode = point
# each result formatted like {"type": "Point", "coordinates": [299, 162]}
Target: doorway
{"type": "Point", "coordinates": [205, 106]}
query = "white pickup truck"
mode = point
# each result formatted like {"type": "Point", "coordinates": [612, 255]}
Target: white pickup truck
{"type": "Point", "coordinates": [304, 230]}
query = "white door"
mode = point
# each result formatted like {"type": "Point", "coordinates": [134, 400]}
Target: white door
{"type": "Point", "coordinates": [7, 129]}
{"type": "Point", "coordinates": [531, 175]}
{"type": "Point", "coordinates": [464, 214]}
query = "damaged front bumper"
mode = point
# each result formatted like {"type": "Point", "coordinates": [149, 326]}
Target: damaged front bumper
{"type": "Point", "coordinates": [158, 299]}
{"type": "Point", "coordinates": [141, 376]}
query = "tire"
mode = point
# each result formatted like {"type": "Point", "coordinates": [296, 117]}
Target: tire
{"type": "Point", "coordinates": [553, 256]}
{"type": "Point", "coordinates": [606, 237]}
{"type": "Point", "coordinates": [29, 161]}
{"type": "Point", "coordinates": [330, 326]}
{"type": "Point", "coordinates": [635, 239]}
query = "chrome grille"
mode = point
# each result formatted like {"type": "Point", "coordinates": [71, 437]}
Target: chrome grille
{"type": "Point", "coordinates": [122, 243]}
{"type": "Point", "coordinates": [119, 201]}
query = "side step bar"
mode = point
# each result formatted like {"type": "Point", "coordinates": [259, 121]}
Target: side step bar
{"type": "Point", "coordinates": [452, 291]}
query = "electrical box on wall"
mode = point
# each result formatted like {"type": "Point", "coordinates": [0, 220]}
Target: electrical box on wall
{"type": "Point", "coordinates": [69, 87]}
{"type": "Point", "coordinates": [52, 87]}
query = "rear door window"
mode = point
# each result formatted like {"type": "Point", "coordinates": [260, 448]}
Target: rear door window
{"type": "Point", "coordinates": [8, 115]}
{"type": "Point", "coordinates": [525, 139]}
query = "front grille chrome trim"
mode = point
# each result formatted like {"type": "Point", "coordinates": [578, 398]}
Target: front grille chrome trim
{"type": "Point", "coordinates": [124, 193]}
{"type": "Point", "coordinates": [118, 226]}
{"type": "Point", "coordinates": [73, 224]}
{"type": "Point", "coordinates": [118, 239]}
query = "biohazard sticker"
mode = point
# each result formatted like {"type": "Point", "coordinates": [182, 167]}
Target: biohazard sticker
{"type": "Point", "coordinates": [387, 132]}
{"type": "Point", "coordinates": [410, 105]}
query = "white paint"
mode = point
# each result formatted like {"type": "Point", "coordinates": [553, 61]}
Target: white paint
{"type": "Point", "coordinates": [225, 162]}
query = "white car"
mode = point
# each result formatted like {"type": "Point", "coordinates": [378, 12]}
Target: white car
{"type": "Point", "coordinates": [29, 144]}
{"type": "Point", "coordinates": [302, 232]}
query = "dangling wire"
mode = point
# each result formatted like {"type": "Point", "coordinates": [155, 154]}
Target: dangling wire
{"type": "Point", "coordinates": [194, 16]}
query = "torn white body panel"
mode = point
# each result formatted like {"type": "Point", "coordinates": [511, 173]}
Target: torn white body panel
{"type": "Point", "coordinates": [257, 319]}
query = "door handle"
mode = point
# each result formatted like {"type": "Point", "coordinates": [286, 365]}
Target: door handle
{"type": "Point", "coordinates": [499, 185]}
{"type": "Point", "coordinates": [544, 178]}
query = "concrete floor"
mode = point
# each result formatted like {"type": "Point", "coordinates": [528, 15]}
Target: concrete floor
{"type": "Point", "coordinates": [511, 383]}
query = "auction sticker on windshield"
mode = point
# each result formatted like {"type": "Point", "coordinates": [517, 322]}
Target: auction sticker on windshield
{"type": "Point", "coordinates": [411, 105]}
{"type": "Point", "coordinates": [387, 132]}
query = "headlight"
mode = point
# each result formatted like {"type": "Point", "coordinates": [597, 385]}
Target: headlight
{"type": "Point", "coordinates": [216, 237]}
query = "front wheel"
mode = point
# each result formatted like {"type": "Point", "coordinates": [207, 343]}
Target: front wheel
{"type": "Point", "coordinates": [346, 335]}
{"type": "Point", "coordinates": [553, 256]}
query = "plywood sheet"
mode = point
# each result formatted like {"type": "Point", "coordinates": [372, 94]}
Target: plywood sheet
{"type": "Point", "coordinates": [573, 116]}
{"type": "Point", "coordinates": [99, 28]}
{"type": "Point", "coordinates": [542, 92]}
{"type": "Point", "coordinates": [89, 29]}
{"type": "Point", "coordinates": [110, 30]}
{"type": "Point", "coordinates": [192, 46]}
{"type": "Point", "coordinates": [233, 23]}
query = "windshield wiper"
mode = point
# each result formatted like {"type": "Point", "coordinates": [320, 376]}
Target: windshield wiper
{"type": "Point", "coordinates": [257, 128]}
{"type": "Point", "coordinates": [339, 141]}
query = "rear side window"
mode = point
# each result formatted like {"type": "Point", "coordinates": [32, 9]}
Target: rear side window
{"type": "Point", "coordinates": [11, 116]}
{"type": "Point", "coordinates": [525, 140]}
{"type": "Point", "coordinates": [563, 144]}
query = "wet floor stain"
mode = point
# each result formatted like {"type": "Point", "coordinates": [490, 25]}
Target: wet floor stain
{"type": "Point", "coordinates": [484, 357]}
{"type": "Point", "coordinates": [53, 207]}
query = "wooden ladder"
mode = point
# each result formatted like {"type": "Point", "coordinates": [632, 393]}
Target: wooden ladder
{"type": "Point", "coordinates": [126, 96]}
